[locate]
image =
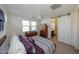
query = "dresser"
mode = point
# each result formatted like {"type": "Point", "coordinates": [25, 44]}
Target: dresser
{"type": "Point", "coordinates": [44, 31]}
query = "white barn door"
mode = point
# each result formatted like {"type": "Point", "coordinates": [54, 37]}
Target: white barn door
{"type": "Point", "coordinates": [64, 29]}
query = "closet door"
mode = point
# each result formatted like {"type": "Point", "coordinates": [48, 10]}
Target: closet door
{"type": "Point", "coordinates": [64, 29]}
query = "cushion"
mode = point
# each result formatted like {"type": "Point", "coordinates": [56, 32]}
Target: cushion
{"type": "Point", "coordinates": [28, 45]}
{"type": "Point", "coordinates": [16, 47]}
{"type": "Point", "coordinates": [30, 39]}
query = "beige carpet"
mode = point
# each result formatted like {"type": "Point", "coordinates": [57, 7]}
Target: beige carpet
{"type": "Point", "coordinates": [62, 48]}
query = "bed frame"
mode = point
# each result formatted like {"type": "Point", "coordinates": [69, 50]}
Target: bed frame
{"type": "Point", "coordinates": [3, 39]}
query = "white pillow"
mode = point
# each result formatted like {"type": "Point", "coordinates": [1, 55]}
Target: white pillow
{"type": "Point", "coordinates": [16, 47]}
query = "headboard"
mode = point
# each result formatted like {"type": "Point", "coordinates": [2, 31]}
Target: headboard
{"type": "Point", "coordinates": [30, 33]}
{"type": "Point", "coordinates": [3, 39]}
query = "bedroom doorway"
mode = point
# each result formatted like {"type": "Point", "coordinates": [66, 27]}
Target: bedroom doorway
{"type": "Point", "coordinates": [54, 31]}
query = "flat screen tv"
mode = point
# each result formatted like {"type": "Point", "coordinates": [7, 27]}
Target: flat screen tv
{"type": "Point", "coordinates": [2, 20]}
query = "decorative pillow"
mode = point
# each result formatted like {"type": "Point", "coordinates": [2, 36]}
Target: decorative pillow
{"type": "Point", "coordinates": [28, 45]}
{"type": "Point", "coordinates": [30, 39]}
{"type": "Point", "coordinates": [16, 47]}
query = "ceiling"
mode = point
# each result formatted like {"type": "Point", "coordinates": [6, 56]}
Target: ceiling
{"type": "Point", "coordinates": [36, 10]}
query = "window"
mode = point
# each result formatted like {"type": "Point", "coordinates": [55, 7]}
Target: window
{"type": "Point", "coordinates": [33, 26]}
{"type": "Point", "coordinates": [1, 26]}
{"type": "Point", "coordinates": [28, 25]}
{"type": "Point", "coordinates": [2, 20]}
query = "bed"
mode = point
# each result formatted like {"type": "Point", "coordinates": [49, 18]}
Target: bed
{"type": "Point", "coordinates": [15, 46]}
{"type": "Point", "coordinates": [46, 44]}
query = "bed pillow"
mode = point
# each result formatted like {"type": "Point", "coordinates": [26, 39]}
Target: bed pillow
{"type": "Point", "coordinates": [16, 47]}
{"type": "Point", "coordinates": [28, 45]}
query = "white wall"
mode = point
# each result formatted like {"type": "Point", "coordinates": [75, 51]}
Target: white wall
{"type": "Point", "coordinates": [5, 24]}
{"type": "Point", "coordinates": [75, 27]}
{"type": "Point", "coordinates": [64, 29]}
{"type": "Point", "coordinates": [48, 22]}
{"type": "Point", "coordinates": [15, 24]}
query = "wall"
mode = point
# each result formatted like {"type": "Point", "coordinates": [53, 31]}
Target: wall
{"type": "Point", "coordinates": [48, 22]}
{"type": "Point", "coordinates": [15, 24]}
{"type": "Point", "coordinates": [75, 27]}
{"type": "Point", "coordinates": [5, 24]}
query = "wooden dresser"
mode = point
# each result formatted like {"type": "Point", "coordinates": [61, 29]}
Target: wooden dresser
{"type": "Point", "coordinates": [44, 31]}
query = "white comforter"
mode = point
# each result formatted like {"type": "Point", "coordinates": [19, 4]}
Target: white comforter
{"type": "Point", "coordinates": [46, 44]}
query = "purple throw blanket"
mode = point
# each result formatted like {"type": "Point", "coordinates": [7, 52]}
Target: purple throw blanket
{"type": "Point", "coordinates": [29, 44]}
{"type": "Point", "coordinates": [38, 50]}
